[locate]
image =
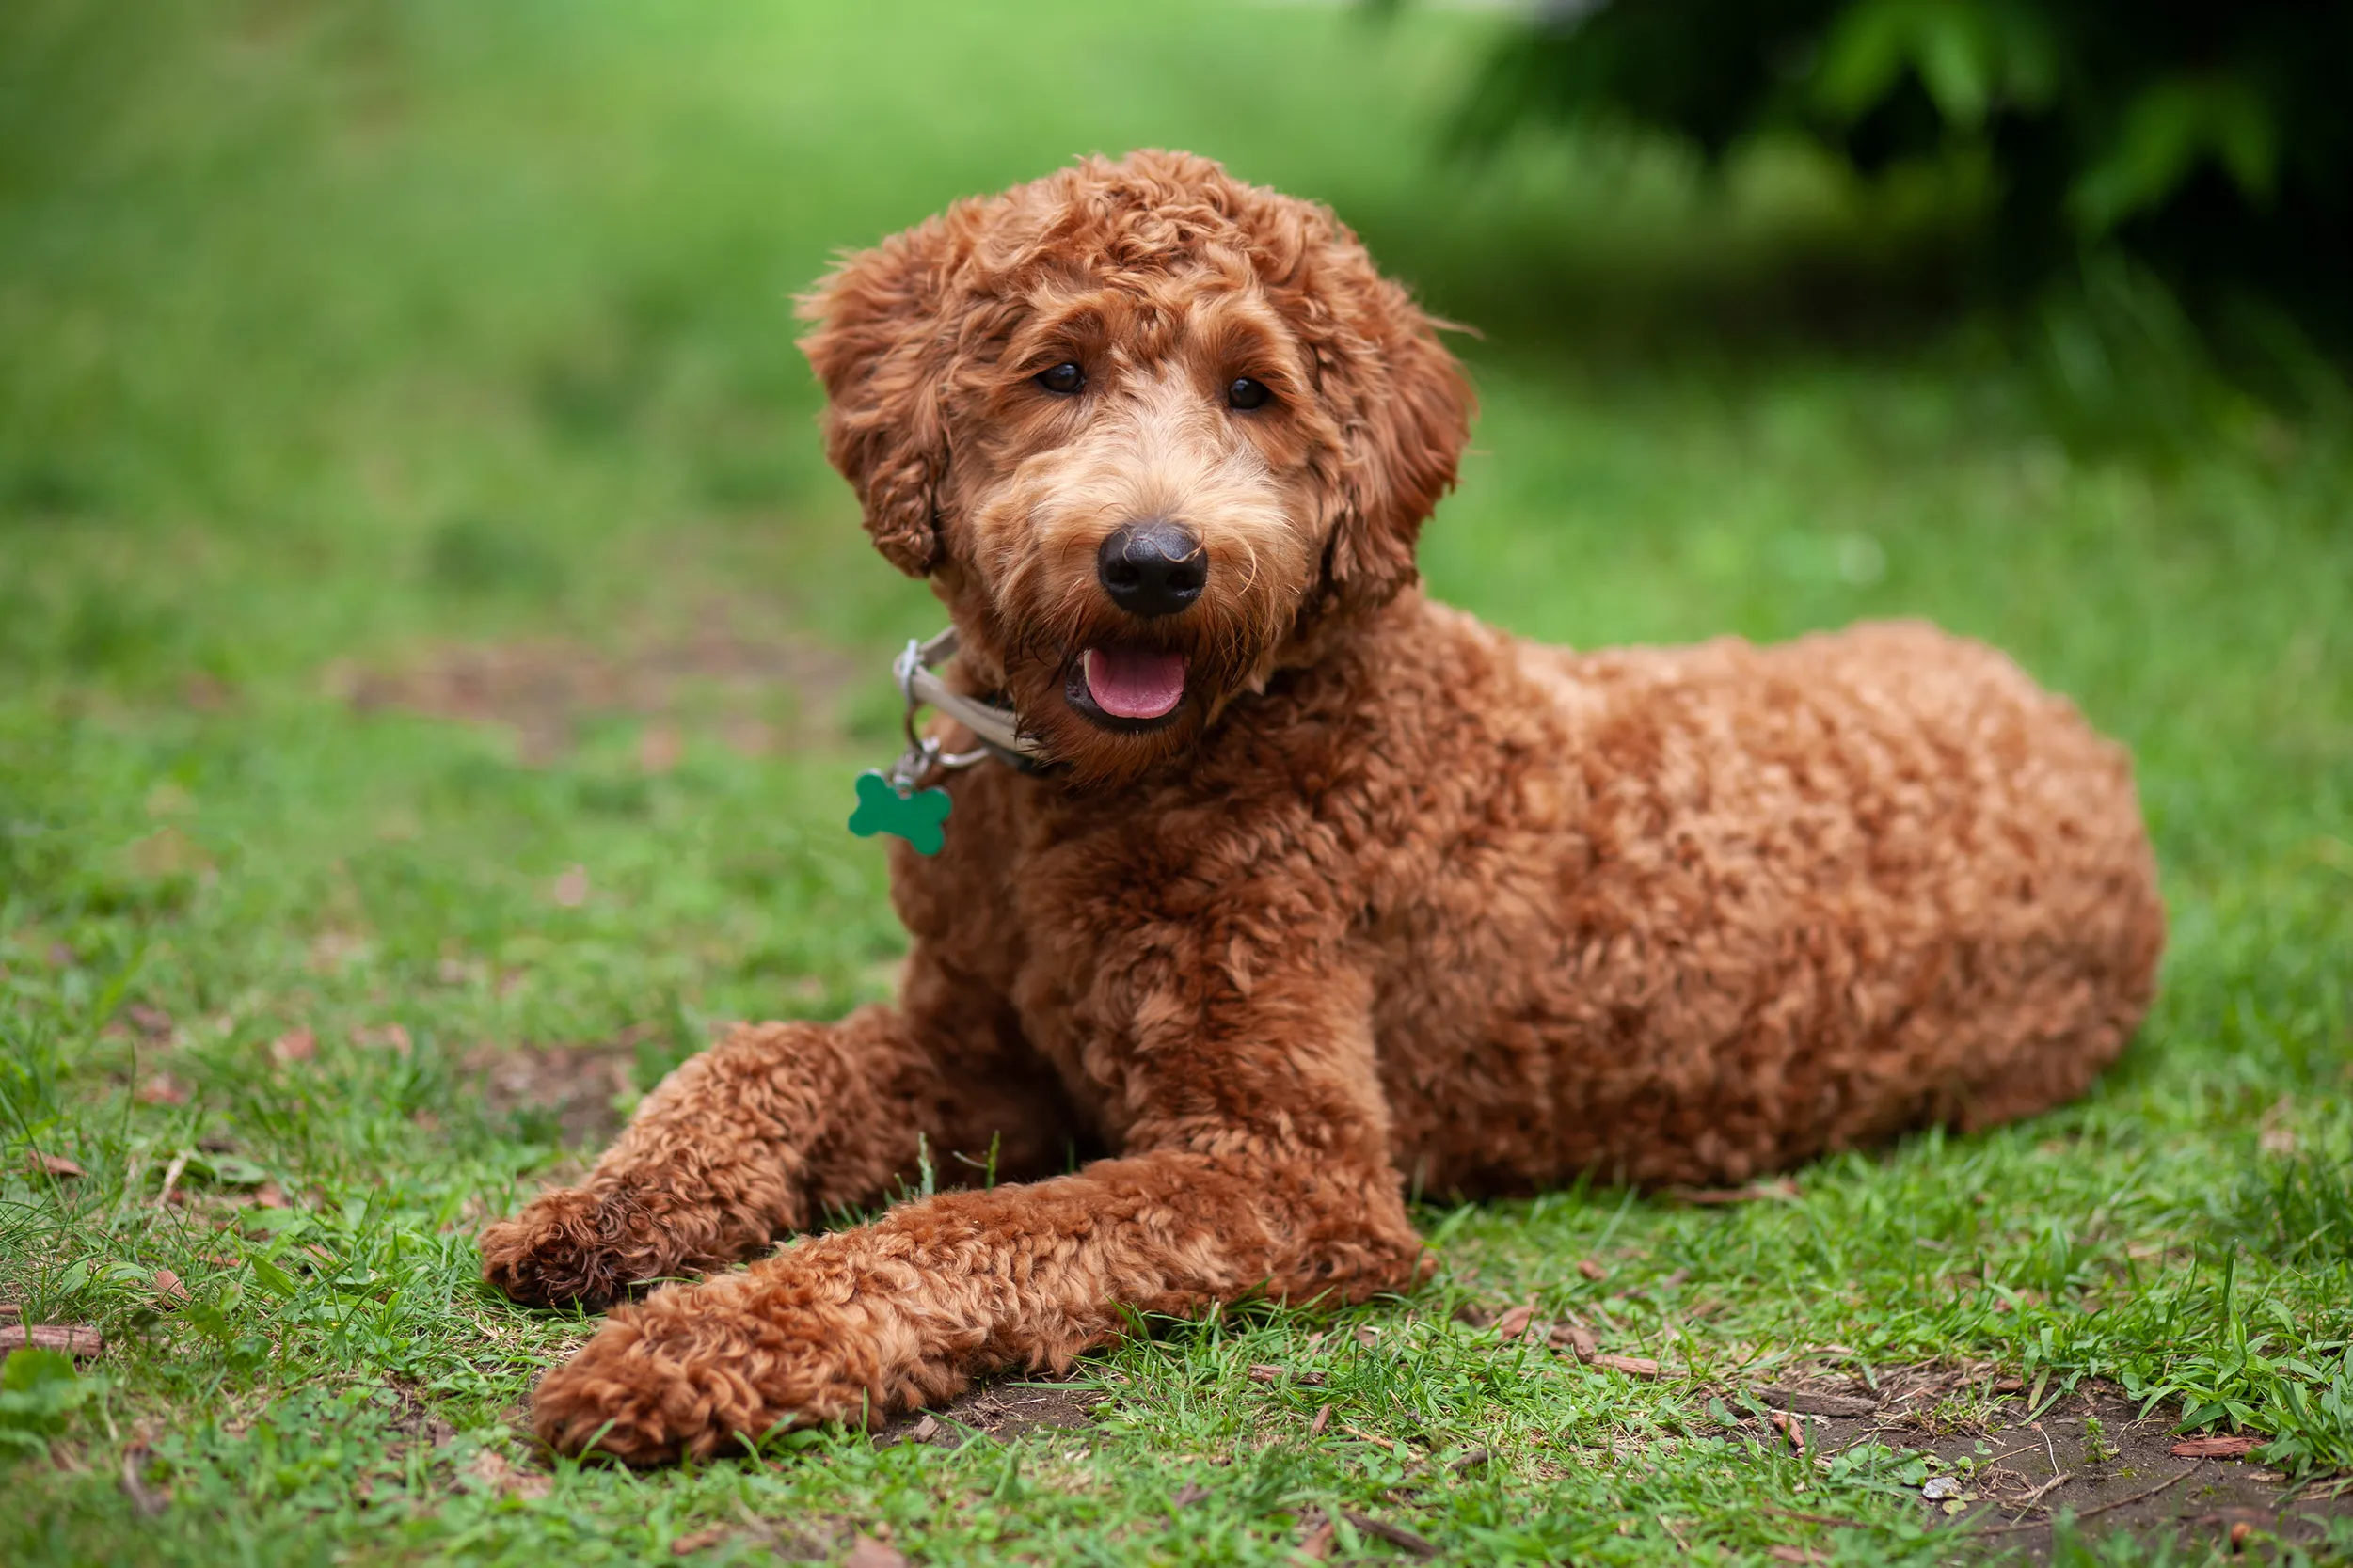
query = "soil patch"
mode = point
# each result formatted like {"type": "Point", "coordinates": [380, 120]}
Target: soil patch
{"type": "Point", "coordinates": [2089, 1454]}
{"type": "Point", "coordinates": [757, 694]}
{"type": "Point", "coordinates": [581, 1086]}
{"type": "Point", "coordinates": [999, 1411]}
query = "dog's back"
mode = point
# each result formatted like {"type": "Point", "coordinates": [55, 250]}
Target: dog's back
{"type": "Point", "coordinates": [1706, 912]}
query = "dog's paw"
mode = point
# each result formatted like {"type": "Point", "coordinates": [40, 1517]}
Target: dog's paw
{"type": "Point", "coordinates": [573, 1248]}
{"type": "Point", "coordinates": [701, 1371]}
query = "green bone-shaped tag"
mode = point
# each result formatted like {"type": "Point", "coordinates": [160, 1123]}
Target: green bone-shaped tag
{"type": "Point", "coordinates": [915, 818]}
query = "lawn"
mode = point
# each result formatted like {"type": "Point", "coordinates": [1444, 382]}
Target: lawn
{"type": "Point", "coordinates": [434, 658]}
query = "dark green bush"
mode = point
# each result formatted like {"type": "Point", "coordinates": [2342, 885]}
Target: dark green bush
{"type": "Point", "coordinates": [2213, 140]}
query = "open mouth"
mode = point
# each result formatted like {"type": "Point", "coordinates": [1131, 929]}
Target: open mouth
{"type": "Point", "coordinates": [1126, 688]}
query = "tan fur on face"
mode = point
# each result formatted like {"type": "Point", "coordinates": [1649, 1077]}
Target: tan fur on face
{"type": "Point", "coordinates": [1166, 280]}
{"type": "Point", "coordinates": [1434, 904]}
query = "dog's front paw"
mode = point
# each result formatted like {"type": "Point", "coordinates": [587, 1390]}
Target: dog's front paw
{"type": "Point", "coordinates": [574, 1247]}
{"type": "Point", "coordinates": [705, 1370]}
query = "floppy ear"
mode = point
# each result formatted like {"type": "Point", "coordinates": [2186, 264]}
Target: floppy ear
{"type": "Point", "coordinates": [882, 349]}
{"type": "Point", "coordinates": [1411, 416]}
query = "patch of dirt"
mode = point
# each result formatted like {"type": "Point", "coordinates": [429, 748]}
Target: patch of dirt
{"type": "Point", "coordinates": [999, 1411]}
{"type": "Point", "coordinates": [2010, 1476]}
{"type": "Point", "coordinates": [413, 1420]}
{"type": "Point", "coordinates": [578, 1085]}
{"type": "Point", "coordinates": [757, 694]}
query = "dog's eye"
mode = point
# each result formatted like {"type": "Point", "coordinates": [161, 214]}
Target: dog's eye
{"type": "Point", "coordinates": [1246, 393]}
{"type": "Point", "coordinates": [1065, 378]}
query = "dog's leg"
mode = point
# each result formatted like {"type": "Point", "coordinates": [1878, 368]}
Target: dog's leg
{"type": "Point", "coordinates": [1261, 1167]}
{"type": "Point", "coordinates": [754, 1139]}
{"type": "Point", "coordinates": [859, 1325]}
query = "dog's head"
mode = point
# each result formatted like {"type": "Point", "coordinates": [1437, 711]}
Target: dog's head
{"type": "Point", "coordinates": [1148, 430]}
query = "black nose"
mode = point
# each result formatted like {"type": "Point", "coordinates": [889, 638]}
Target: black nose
{"type": "Point", "coordinates": [1154, 568]}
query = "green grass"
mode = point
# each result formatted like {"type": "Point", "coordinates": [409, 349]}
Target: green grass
{"type": "Point", "coordinates": [339, 336]}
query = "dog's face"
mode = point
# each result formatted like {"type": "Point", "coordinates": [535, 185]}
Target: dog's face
{"type": "Point", "coordinates": [1146, 429]}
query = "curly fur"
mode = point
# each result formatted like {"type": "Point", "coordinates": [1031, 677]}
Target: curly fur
{"type": "Point", "coordinates": [1393, 897]}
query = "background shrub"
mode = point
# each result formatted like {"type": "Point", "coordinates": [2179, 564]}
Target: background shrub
{"type": "Point", "coordinates": [2215, 141]}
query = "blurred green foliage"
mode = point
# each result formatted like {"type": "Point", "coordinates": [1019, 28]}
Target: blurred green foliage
{"type": "Point", "coordinates": [2214, 139]}
{"type": "Point", "coordinates": [37, 1391]}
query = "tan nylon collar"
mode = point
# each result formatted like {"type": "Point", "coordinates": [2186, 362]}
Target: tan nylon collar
{"type": "Point", "coordinates": [998, 729]}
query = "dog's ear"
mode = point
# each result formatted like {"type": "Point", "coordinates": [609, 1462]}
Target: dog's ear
{"type": "Point", "coordinates": [1411, 414]}
{"type": "Point", "coordinates": [883, 348]}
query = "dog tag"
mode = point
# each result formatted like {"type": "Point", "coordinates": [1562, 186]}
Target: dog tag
{"type": "Point", "coordinates": [914, 815]}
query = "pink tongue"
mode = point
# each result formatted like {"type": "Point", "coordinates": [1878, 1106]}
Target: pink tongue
{"type": "Point", "coordinates": [1133, 683]}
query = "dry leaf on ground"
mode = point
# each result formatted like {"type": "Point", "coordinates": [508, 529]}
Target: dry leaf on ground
{"type": "Point", "coordinates": [169, 1293]}
{"type": "Point", "coordinates": [1633, 1366]}
{"type": "Point", "coordinates": [570, 890]}
{"type": "Point", "coordinates": [694, 1541]}
{"type": "Point", "coordinates": [492, 1466]}
{"type": "Point", "coordinates": [1574, 1337]}
{"type": "Point", "coordinates": [867, 1552]}
{"type": "Point", "coordinates": [2237, 1446]}
{"type": "Point", "coordinates": [1592, 1270]}
{"type": "Point", "coordinates": [1512, 1325]}
{"type": "Point", "coordinates": [162, 1090]}
{"type": "Point", "coordinates": [391, 1036]}
{"type": "Point", "coordinates": [294, 1045]}
{"type": "Point", "coordinates": [56, 1164]}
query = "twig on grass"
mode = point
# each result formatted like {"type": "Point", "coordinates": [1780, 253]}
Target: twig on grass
{"type": "Point", "coordinates": [78, 1340]}
{"type": "Point", "coordinates": [145, 1499]}
{"type": "Point", "coordinates": [1418, 1476]}
{"type": "Point", "coordinates": [2104, 1508]}
{"type": "Point", "coordinates": [1396, 1535]}
{"type": "Point", "coordinates": [171, 1177]}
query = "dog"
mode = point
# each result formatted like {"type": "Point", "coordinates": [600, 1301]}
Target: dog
{"type": "Point", "coordinates": [1301, 888]}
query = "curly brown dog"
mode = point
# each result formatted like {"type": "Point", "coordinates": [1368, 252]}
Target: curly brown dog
{"type": "Point", "coordinates": [1316, 887]}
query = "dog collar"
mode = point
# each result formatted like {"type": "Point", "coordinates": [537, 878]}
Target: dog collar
{"type": "Point", "coordinates": [997, 729]}
{"type": "Point", "coordinates": [891, 801]}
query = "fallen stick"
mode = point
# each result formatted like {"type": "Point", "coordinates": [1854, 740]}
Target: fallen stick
{"type": "Point", "coordinates": [72, 1338]}
{"type": "Point", "coordinates": [1396, 1535]}
{"type": "Point", "coordinates": [171, 1177]}
{"type": "Point", "coordinates": [2044, 1524]}
{"type": "Point", "coordinates": [2032, 1496]}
